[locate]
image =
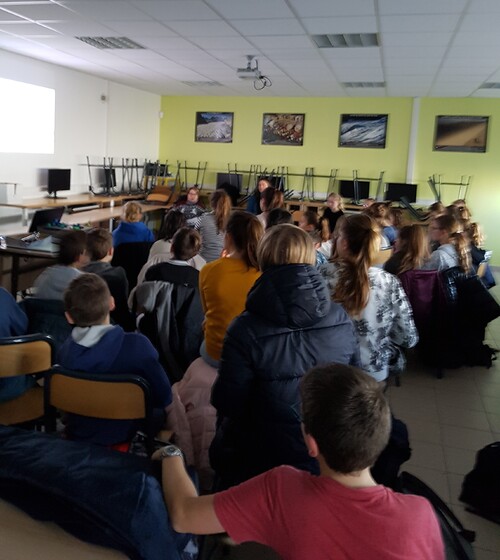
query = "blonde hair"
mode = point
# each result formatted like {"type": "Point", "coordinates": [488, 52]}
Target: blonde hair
{"type": "Point", "coordinates": [337, 197]}
{"type": "Point", "coordinates": [475, 233]}
{"type": "Point", "coordinates": [457, 238]}
{"type": "Point", "coordinates": [285, 244]}
{"type": "Point", "coordinates": [363, 242]}
{"type": "Point", "coordinates": [413, 246]}
{"type": "Point", "coordinates": [132, 212]}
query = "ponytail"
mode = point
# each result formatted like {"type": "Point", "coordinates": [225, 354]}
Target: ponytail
{"type": "Point", "coordinates": [245, 231]}
{"type": "Point", "coordinates": [462, 246]}
{"type": "Point", "coordinates": [221, 205]}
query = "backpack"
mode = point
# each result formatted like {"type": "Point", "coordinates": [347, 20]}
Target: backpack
{"type": "Point", "coordinates": [481, 487]}
{"type": "Point", "coordinates": [457, 540]}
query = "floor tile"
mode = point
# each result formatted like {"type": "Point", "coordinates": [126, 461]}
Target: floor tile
{"type": "Point", "coordinates": [494, 420]}
{"type": "Point", "coordinates": [459, 461]}
{"type": "Point", "coordinates": [487, 532]}
{"type": "Point", "coordinates": [465, 438]}
{"type": "Point", "coordinates": [424, 431]}
{"type": "Point", "coordinates": [454, 416]}
{"type": "Point", "coordinates": [489, 389]}
{"type": "Point", "coordinates": [462, 400]}
{"type": "Point", "coordinates": [491, 405]}
{"type": "Point", "coordinates": [482, 554]}
{"type": "Point", "coordinates": [429, 455]}
{"type": "Point", "coordinates": [455, 487]}
{"type": "Point", "coordinates": [435, 479]}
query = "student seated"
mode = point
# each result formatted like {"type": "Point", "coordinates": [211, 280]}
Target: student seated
{"type": "Point", "coordinates": [374, 299]}
{"type": "Point", "coordinates": [131, 229]}
{"type": "Point", "coordinates": [342, 513]}
{"type": "Point", "coordinates": [411, 250]}
{"type": "Point", "coordinates": [13, 322]}
{"type": "Point", "coordinates": [100, 252]}
{"type": "Point", "coordinates": [96, 346]}
{"type": "Point", "coordinates": [278, 216]}
{"type": "Point", "coordinates": [270, 199]}
{"type": "Point", "coordinates": [72, 257]}
{"type": "Point", "coordinates": [213, 226]}
{"type": "Point", "coordinates": [189, 207]}
{"type": "Point", "coordinates": [334, 209]}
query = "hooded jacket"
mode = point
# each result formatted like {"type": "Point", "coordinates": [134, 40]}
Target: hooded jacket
{"type": "Point", "coordinates": [131, 232]}
{"type": "Point", "coordinates": [114, 352]}
{"type": "Point", "coordinates": [290, 325]}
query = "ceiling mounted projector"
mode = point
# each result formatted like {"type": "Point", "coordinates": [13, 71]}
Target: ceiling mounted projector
{"type": "Point", "coordinates": [253, 73]}
{"type": "Point", "coordinates": [249, 73]}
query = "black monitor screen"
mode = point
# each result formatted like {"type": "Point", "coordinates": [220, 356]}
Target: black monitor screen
{"type": "Point", "coordinates": [58, 180]}
{"type": "Point", "coordinates": [42, 218]}
{"type": "Point", "coordinates": [233, 179]}
{"type": "Point", "coordinates": [394, 191]}
{"type": "Point", "coordinates": [346, 189]}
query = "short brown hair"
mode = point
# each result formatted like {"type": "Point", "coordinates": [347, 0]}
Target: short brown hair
{"type": "Point", "coordinates": [285, 244]}
{"type": "Point", "coordinates": [345, 411]}
{"type": "Point", "coordinates": [72, 246]}
{"type": "Point", "coordinates": [186, 244]}
{"type": "Point", "coordinates": [99, 243]}
{"type": "Point", "coordinates": [87, 300]}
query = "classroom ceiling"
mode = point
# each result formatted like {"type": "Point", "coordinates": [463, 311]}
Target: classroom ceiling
{"type": "Point", "coordinates": [426, 48]}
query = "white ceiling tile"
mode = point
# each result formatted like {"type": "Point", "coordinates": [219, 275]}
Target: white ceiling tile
{"type": "Point", "coordinates": [328, 8]}
{"type": "Point", "coordinates": [403, 7]}
{"type": "Point", "coordinates": [493, 93]}
{"type": "Point", "coordinates": [481, 23]}
{"type": "Point", "coordinates": [471, 38]}
{"type": "Point", "coordinates": [223, 43]}
{"type": "Point", "coordinates": [282, 42]}
{"type": "Point", "coordinates": [367, 54]}
{"type": "Point", "coordinates": [365, 75]}
{"type": "Point", "coordinates": [140, 28]}
{"type": "Point", "coordinates": [6, 16]}
{"type": "Point", "coordinates": [234, 9]}
{"type": "Point", "coordinates": [258, 27]}
{"type": "Point", "coordinates": [204, 29]}
{"type": "Point", "coordinates": [365, 92]}
{"type": "Point", "coordinates": [483, 6]}
{"type": "Point", "coordinates": [43, 12]}
{"type": "Point", "coordinates": [435, 52]}
{"type": "Point", "coordinates": [176, 10]}
{"type": "Point", "coordinates": [81, 28]}
{"type": "Point", "coordinates": [415, 39]}
{"type": "Point", "coordinates": [162, 44]}
{"type": "Point", "coordinates": [361, 24]}
{"type": "Point", "coordinates": [103, 10]}
{"type": "Point", "coordinates": [293, 54]}
{"type": "Point", "coordinates": [25, 29]}
{"type": "Point", "coordinates": [439, 23]}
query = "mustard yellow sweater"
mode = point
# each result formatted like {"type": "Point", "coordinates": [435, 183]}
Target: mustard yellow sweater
{"type": "Point", "coordinates": [224, 285]}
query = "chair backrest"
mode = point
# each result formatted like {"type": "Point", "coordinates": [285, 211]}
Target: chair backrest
{"type": "Point", "coordinates": [104, 396]}
{"type": "Point", "coordinates": [296, 216]}
{"type": "Point", "coordinates": [132, 257]}
{"type": "Point", "coordinates": [24, 355]}
{"type": "Point", "coordinates": [47, 316]}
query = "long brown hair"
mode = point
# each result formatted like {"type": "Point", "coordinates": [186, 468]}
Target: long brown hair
{"type": "Point", "coordinates": [457, 238]}
{"type": "Point", "coordinates": [413, 246]}
{"type": "Point", "coordinates": [221, 205]}
{"type": "Point", "coordinates": [245, 231]}
{"type": "Point", "coordinates": [363, 242]}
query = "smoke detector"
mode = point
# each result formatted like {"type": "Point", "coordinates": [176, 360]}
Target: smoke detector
{"type": "Point", "coordinates": [250, 72]}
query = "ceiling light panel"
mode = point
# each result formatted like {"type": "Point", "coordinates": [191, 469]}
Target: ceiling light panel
{"type": "Point", "coordinates": [110, 42]}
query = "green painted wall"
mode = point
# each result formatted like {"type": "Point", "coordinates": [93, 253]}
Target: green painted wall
{"type": "Point", "coordinates": [484, 193]}
{"type": "Point", "coordinates": [321, 151]}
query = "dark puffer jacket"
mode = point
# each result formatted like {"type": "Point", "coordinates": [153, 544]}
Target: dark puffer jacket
{"type": "Point", "coordinates": [289, 325]}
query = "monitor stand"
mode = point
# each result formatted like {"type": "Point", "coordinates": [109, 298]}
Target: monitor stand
{"type": "Point", "coordinates": [54, 197]}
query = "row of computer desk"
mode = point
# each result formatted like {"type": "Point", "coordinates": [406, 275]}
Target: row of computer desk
{"type": "Point", "coordinates": [22, 263]}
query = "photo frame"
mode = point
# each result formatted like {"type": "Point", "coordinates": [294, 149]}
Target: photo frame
{"type": "Point", "coordinates": [283, 129]}
{"type": "Point", "coordinates": [363, 131]}
{"type": "Point", "coordinates": [214, 127]}
{"type": "Point", "coordinates": [455, 133]}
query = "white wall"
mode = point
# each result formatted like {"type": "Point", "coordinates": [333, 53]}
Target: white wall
{"type": "Point", "coordinates": [126, 124]}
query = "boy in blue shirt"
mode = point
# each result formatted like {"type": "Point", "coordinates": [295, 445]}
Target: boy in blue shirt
{"type": "Point", "coordinates": [96, 346]}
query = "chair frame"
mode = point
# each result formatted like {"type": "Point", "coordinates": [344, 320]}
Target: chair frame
{"type": "Point", "coordinates": [67, 390]}
{"type": "Point", "coordinates": [32, 399]}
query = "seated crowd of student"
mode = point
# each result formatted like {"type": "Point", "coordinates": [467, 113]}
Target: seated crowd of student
{"type": "Point", "coordinates": [251, 316]}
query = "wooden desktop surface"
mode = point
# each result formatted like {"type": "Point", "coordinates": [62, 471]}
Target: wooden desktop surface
{"type": "Point", "coordinates": [103, 214]}
{"type": "Point", "coordinates": [72, 200]}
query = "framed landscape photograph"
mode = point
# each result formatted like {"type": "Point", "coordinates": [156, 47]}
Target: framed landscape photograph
{"type": "Point", "coordinates": [214, 127]}
{"type": "Point", "coordinates": [362, 131]}
{"type": "Point", "coordinates": [460, 134]}
{"type": "Point", "coordinates": [283, 129]}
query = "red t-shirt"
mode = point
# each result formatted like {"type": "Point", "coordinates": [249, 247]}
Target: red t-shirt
{"type": "Point", "coordinates": [303, 516]}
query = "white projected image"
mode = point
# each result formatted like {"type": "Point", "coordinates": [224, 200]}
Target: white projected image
{"type": "Point", "coordinates": [27, 118]}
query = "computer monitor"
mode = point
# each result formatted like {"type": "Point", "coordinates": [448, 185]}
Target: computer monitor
{"type": "Point", "coordinates": [58, 180]}
{"type": "Point", "coordinates": [394, 191]}
{"type": "Point", "coordinates": [233, 179]}
{"type": "Point", "coordinates": [45, 217]}
{"type": "Point", "coordinates": [346, 189]}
